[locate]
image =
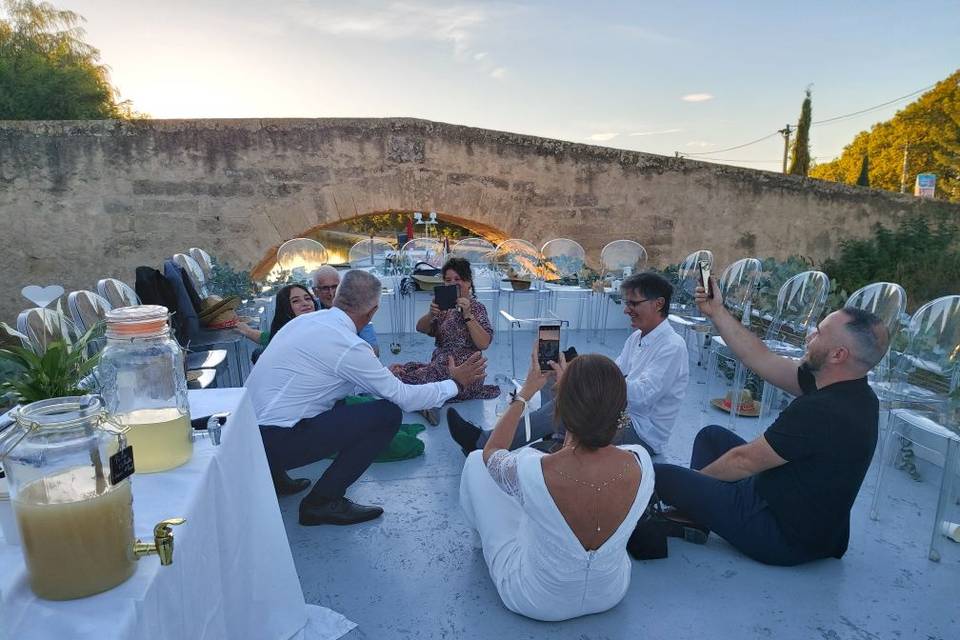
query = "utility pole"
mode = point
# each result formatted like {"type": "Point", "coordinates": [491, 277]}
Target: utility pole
{"type": "Point", "coordinates": [786, 131]}
{"type": "Point", "coordinates": [903, 172]}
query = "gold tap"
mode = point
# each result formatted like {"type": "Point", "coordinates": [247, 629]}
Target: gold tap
{"type": "Point", "coordinates": [162, 542]}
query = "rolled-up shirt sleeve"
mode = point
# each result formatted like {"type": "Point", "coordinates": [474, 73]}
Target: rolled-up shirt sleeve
{"type": "Point", "coordinates": [645, 386]}
{"type": "Point", "coordinates": [361, 367]}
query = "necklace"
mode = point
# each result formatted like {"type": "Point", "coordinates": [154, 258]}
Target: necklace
{"type": "Point", "coordinates": [597, 486]}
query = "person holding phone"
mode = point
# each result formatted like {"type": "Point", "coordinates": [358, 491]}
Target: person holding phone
{"type": "Point", "coordinates": [653, 361]}
{"type": "Point", "coordinates": [459, 332]}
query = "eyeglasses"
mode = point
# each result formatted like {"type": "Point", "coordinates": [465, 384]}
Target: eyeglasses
{"type": "Point", "coordinates": [633, 304]}
{"type": "Point", "coordinates": [329, 288]}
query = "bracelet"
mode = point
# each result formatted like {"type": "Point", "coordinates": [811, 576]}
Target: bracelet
{"type": "Point", "coordinates": [516, 397]}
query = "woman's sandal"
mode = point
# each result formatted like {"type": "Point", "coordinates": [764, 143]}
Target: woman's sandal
{"type": "Point", "coordinates": [431, 416]}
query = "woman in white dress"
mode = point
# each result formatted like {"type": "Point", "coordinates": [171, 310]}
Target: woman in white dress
{"type": "Point", "coordinates": [554, 528]}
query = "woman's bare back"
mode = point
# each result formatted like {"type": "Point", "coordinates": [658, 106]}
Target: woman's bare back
{"type": "Point", "coordinates": [593, 490]}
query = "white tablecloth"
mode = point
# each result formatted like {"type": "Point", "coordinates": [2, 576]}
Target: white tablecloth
{"type": "Point", "coordinates": [232, 576]}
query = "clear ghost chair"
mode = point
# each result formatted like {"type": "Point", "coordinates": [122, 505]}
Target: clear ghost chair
{"type": "Point", "coordinates": [118, 294]}
{"type": "Point", "coordinates": [924, 377]}
{"type": "Point", "coordinates": [562, 264]}
{"type": "Point", "coordinates": [800, 304]}
{"type": "Point", "coordinates": [684, 314]}
{"type": "Point", "coordinates": [194, 271]}
{"type": "Point", "coordinates": [41, 326]}
{"type": "Point", "coordinates": [888, 301]}
{"type": "Point", "coordinates": [374, 255]}
{"type": "Point", "coordinates": [618, 259]}
{"type": "Point", "coordinates": [622, 258]}
{"type": "Point", "coordinates": [517, 260]}
{"type": "Point", "coordinates": [87, 309]}
{"type": "Point", "coordinates": [478, 252]}
{"type": "Point", "coordinates": [301, 256]}
{"type": "Point", "coordinates": [204, 260]}
{"type": "Point", "coordinates": [413, 252]}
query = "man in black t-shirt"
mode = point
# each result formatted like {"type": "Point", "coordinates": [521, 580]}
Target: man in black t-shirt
{"type": "Point", "coordinates": [785, 498]}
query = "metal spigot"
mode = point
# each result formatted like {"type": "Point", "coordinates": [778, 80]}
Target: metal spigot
{"type": "Point", "coordinates": [162, 542]}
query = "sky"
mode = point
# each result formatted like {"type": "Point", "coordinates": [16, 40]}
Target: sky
{"type": "Point", "coordinates": [661, 77]}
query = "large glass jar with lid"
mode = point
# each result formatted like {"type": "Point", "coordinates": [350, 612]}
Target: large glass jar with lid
{"type": "Point", "coordinates": [144, 387]}
{"type": "Point", "coordinates": [75, 516]}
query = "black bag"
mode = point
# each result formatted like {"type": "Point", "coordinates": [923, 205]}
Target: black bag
{"type": "Point", "coordinates": [649, 538]}
{"type": "Point", "coordinates": [153, 288]}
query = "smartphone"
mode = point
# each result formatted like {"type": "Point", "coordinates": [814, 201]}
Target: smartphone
{"type": "Point", "coordinates": [705, 277]}
{"type": "Point", "coordinates": [549, 346]}
{"type": "Point", "coordinates": [445, 295]}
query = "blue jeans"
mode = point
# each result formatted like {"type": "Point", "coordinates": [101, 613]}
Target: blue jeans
{"type": "Point", "coordinates": [733, 510]}
{"type": "Point", "coordinates": [356, 433]}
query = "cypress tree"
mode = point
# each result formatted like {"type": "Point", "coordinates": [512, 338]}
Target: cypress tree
{"type": "Point", "coordinates": [864, 179]}
{"type": "Point", "coordinates": [800, 155]}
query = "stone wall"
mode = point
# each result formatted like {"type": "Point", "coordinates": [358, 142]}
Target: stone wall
{"type": "Point", "coordinates": [85, 200]}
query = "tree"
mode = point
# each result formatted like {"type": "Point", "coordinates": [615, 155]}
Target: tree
{"type": "Point", "coordinates": [800, 154]}
{"type": "Point", "coordinates": [864, 179]}
{"type": "Point", "coordinates": [930, 125]}
{"type": "Point", "coordinates": [47, 71]}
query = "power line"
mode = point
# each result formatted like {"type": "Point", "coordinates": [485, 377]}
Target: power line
{"type": "Point", "coordinates": [818, 122]}
{"type": "Point", "coordinates": [873, 108]}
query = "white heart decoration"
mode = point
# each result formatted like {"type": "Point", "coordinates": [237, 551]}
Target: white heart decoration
{"type": "Point", "coordinates": [42, 296]}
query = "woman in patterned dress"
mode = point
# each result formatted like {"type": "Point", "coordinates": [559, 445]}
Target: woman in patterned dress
{"type": "Point", "coordinates": [460, 332]}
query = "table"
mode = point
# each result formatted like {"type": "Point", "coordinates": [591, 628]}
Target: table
{"type": "Point", "coordinates": [232, 575]}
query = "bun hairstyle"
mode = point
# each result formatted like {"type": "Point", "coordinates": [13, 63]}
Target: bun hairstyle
{"type": "Point", "coordinates": [590, 399]}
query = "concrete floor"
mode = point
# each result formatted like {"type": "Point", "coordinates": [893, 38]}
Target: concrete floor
{"type": "Point", "coordinates": [415, 572]}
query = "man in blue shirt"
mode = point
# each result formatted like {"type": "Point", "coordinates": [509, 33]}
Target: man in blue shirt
{"type": "Point", "coordinates": [326, 279]}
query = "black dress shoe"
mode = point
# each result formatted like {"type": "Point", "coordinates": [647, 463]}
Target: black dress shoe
{"type": "Point", "coordinates": [335, 511]}
{"type": "Point", "coordinates": [465, 434]}
{"type": "Point", "coordinates": [287, 486]}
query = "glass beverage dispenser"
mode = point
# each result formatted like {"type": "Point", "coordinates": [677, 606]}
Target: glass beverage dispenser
{"type": "Point", "coordinates": [144, 386]}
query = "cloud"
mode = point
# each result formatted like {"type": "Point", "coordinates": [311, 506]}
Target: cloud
{"type": "Point", "coordinates": [697, 97]}
{"type": "Point", "coordinates": [647, 35]}
{"type": "Point", "coordinates": [702, 144]}
{"type": "Point", "coordinates": [654, 133]}
{"type": "Point", "coordinates": [603, 137]}
{"type": "Point", "coordinates": [459, 26]}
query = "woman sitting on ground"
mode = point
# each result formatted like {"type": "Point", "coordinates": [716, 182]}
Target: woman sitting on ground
{"type": "Point", "coordinates": [554, 527]}
{"type": "Point", "coordinates": [291, 301]}
{"type": "Point", "coordinates": [460, 332]}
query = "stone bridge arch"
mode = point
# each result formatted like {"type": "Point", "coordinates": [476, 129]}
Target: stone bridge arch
{"type": "Point", "coordinates": [80, 201]}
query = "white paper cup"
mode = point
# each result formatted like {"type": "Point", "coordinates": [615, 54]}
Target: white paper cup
{"type": "Point", "coordinates": [8, 522]}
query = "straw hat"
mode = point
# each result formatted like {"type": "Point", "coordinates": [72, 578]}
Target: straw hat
{"type": "Point", "coordinates": [214, 305]}
{"type": "Point", "coordinates": [427, 283]}
{"type": "Point", "coordinates": [748, 406]}
{"type": "Point", "coordinates": [518, 284]}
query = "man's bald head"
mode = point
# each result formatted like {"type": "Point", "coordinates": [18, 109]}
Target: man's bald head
{"type": "Point", "coordinates": [869, 336]}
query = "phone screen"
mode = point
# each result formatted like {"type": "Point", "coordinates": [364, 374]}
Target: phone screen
{"type": "Point", "coordinates": [705, 277]}
{"type": "Point", "coordinates": [549, 347]}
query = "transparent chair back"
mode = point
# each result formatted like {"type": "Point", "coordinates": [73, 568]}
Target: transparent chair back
{"type": "Point", "coordinates": [42, 326]}
{"type": "Point", "coordinates": [800, 302]}
{"type": "Point", "coordinates": [885, 299]}
{"type": "Point", "coordinates": [118, 294]}
{"type": "Point", "coordinates": [688, 279]}
{"type": "Point", "coordinates": [373, 254]}
{"type": "Point", "coordinates": [204, 260]}
{"type": "Point", "coordinates": [563, 261]}
{"type": "Point", "coordinates": [86, 310]}
{"type": "Point", "coordinates": [927, 371]}
{"type": "Point", "coordinates": [622, 258]}
{"type": "Point", "coordinates": [194, 271]}
{"type": "Point", "coordinates": [479, 253]}
{"type": "Point", "coordinates": [517, 259]}
{"type": "Point", "coordinates": [428, 250]}
{"type": "Point", "coordinates": [738, 283]}
{"type": "Point", "coordinates": [301, 256]}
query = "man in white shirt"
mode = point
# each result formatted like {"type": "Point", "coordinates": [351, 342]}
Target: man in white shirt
{"type": "Point", "coordinates": [297, 389]}
{"type": "Point", "coordinates": [654, 364]}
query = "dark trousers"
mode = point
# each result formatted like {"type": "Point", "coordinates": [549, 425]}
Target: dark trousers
{"type": "Point", "coordinates": [733, 510]}
{"type": "Point", "coordinates": [356, 433]}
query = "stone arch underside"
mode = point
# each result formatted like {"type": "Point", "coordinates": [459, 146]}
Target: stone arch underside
{"type": "Point", "coordinates": [483, 230]}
